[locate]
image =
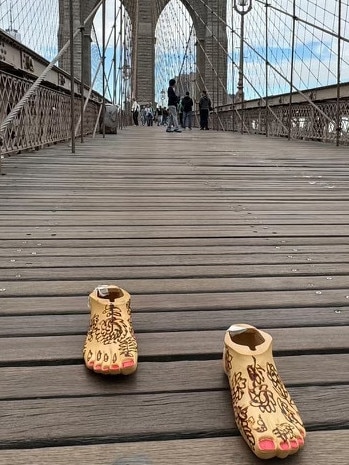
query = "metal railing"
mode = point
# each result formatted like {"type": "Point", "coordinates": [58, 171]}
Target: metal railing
{"type": "Point", "coordinates": [44, 119]}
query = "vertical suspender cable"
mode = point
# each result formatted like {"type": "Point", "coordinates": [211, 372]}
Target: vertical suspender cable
{"type": "Point", "coordinates": [232, 68]}
{"type": "Point", "coordinates": [338, 118]}
{"type": "Point", "coordinates": [241, 71]}
{"type": "Point", "coordinates": [114, 56]}
{"type": "Point", "coordinates": [82, 28]}
{"type": "Point", "coordinates": [266, 71]}
{"type": "Point", "coordinates": [72, 110]}
{"type": "Point", "coordinates": [292, 63]}
{"type": "Point", "coordinates": [121, 75]}
{"type": "Point", "coordinates": [103, 68]}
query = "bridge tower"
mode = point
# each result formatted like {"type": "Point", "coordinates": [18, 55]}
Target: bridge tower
{"type": "Point", "coordinates": [210, 51]}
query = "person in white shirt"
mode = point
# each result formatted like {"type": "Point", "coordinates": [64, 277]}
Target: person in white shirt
{"type": "Point", "coordinates": [135, 111]}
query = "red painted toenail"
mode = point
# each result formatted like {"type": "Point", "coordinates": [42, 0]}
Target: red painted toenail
{"type": "Point", "coordinates": [90, 364]}
{"type": "Point", "coordinates": [115, 367]}
{"type": "Point", "coordinates": [266, 444]}
{"type": "Point", "coordinates": [294, 444]}
{"type": "Point", "coordinates": [105, 368]}
{"type": "Point", "coordinates": [300, 441]}
{"type": "Point", "coordinates": [284, 446]}
{"type": "Point", "coordinates": [129, 363]}
{"type": "Point", "coordinates": [98, 367]}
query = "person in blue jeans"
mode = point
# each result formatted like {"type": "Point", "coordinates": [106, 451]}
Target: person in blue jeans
{"type": "Point", "coordinates": [187, 104]}
{"type": "Point", "coordinates": [173, 101]}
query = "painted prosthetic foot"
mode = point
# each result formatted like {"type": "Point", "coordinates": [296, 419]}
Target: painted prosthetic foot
{"type": "Point", "coordinates": [110, 346]}
{"type": "Point", "coordinates": [264, 412]}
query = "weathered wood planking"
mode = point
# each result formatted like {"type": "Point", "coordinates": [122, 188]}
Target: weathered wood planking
{"type": "Point", "coordinates": [199, 320]}
{"type": "Point", "coordinates": [210, 451]}
{"type": "Point", "coordinates": [173, 345]}
{"type": "Point", "coordinates": [286, 301]}
{"type": "Point", "coordinates": [147, 416]}
{"type": "Point", "coordinates": [18, 382]}
{"type": "Point", "coordinates": [237, 229]}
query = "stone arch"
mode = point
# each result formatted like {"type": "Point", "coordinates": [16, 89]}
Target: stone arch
{"type": "Point", "coordinates": [144, 18]}
{"type": "Point", "coordinates": [64, 32]}
{"type": "Point", "coordinates": [208, 55]}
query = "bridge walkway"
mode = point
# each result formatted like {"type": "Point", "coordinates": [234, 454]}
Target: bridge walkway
{"type": "Point", "coordinates": [204, 229]}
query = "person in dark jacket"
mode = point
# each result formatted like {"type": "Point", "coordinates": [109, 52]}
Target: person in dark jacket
{"type": "Point", "coordinates": [187, 105]}
{"type": "Point", "coordinates": [173, 101]}
{"type": "Point", "coordinates": [205, 108]}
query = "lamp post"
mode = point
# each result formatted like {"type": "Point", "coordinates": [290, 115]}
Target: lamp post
{"type": "Point", "coordinates": [242, 7]}
{"type": "Point", "coordinates": [126, 71]}
{"type": "Point", "coordinates": [162, 93]}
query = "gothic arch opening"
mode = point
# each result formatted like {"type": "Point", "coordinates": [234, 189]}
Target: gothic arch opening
{"type": "Point", "coordinates": [175, 51]}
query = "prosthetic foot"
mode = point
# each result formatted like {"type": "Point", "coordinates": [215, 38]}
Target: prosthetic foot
{"type": "Point", "coordinates": [264, 412]}
{"type": "Point", "coordinates": [110, 346]}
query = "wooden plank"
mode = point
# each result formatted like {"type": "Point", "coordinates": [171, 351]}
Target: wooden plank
{"type": "Point", "coordinates": [334, 301]}
{"type": "Point", "coordinates": [63, 324]}
{"type": "Point", "coordinates": [21, 259]}
{"type": "Point", "coordinates": [320, 285]}
{"type": "Point", "coordinates": [62, 219]}
{"type": "Point", "coordinates": [209, 451]}
{"type": "Point", "coordinates": [164, 232]}
{"type": "Point", "coordinates": [195, 375]}
{"type": "Point", "coordinates": [56, 249]}
{"type": "Point", "coordinates": [172, 244]}
{"type": "Point", "coordinates": [173, 345]}
{"type": "Point", "coordinates": [332, 271]}
{"type": "Point", "coordinates": [157, 416]}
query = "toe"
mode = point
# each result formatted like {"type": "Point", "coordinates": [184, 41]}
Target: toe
{"type": "Point", "coordinates": [114, 369]}
{"type": "Point", "coordinates": [266, 445]}
{"type": "Point", "coordinates": [284, 450]}
{"type": "Point", "coordinates": [97, 368]}
{"type": "Point", "coordinates": [128, 367]}
{"type": "Point", "coordinates": [266, 448]}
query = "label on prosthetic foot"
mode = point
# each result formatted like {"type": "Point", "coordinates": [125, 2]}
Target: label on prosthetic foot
{"type": "Point", "coordinates": [102, 291]}
{"type": "Point", "coordinates": [235, 329]}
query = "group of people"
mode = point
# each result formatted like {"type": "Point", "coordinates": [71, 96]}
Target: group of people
{"type": "Point", "coordinates": [175, 105]}
{"type": "Point", "coordinates": [147, 115]}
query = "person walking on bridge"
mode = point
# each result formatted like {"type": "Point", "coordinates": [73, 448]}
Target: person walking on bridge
{"type": "Point", "coordinates": [204, 107]}
{"type": "Point", "coordinates": [173, 101]}
{"type": "Point", "coordinates": [135, 111]}
{"type": "Point", "coordinates": [187, 104]}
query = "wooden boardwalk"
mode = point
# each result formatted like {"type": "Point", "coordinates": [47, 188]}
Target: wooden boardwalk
{"type": "Point", "coordinates": [204, 229]}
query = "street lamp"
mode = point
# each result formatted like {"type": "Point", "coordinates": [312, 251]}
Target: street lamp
{"type": "Point", "coordinates": [126, 71]}
{"type": "Point", "coordinates": [242, 7]}
{"type": "Point", "coordinates": [163, 93]}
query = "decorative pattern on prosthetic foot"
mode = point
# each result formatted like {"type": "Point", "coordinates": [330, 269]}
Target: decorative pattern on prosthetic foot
{"type": "Point", "coordinates": [265, 414]}
{"type": "Point", "coordinates": [110, 345]}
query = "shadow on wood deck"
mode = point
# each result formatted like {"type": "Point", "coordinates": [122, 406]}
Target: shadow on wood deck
{"type": "Point", "coordinates": [204, 230]}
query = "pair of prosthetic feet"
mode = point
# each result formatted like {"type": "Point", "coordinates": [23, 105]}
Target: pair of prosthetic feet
{"type": "Point", "coordinates": [265, 414]}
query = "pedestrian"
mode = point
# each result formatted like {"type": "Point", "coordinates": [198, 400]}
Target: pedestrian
{"type": "Point", "coordinates": [204, 107]}
{"type": "Point", "coordinates": [149, 114]}
{"type": "Point", "coordinates": [187, 105]}
{"type": "Point", "coordinates": [135, 111]}
{"type": "Point", "coordinates": [158, 115]}
{"type": "Point", "coordinates": [173, 101]}
{"type": "Point", "coordinates": [143, 117]}
{"type": "Point", "coordinates": [180, 112]}
{"type": "Point", "coordinates": [164, 116]}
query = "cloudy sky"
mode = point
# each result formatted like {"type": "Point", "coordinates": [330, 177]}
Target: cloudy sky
{"type": "Point", "coordinates": [315, 43]}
